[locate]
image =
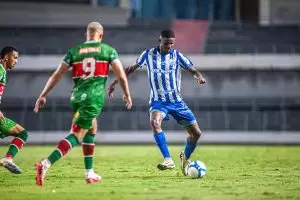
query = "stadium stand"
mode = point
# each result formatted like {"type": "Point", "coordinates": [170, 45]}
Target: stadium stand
{"type": "Point", "coordinates": [232, 38]}
{"type": "Point", "coordinates": [45, 40]}
{"type": "Point", "coordinates": [222, 39]}
{"type": "Point", "coordinates": [45, 14]}
{"type": "Point", "coordinates": [246, 100]}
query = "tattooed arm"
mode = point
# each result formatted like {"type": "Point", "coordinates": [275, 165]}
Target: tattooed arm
{"type": "Point", "coordinates": [197, 75]}
{"type": "Point", "coordinates": [129, 70]}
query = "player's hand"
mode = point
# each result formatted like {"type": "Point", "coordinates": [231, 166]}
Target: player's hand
{"type": "Point", "coordinates": [40, 102]}
{"type": "Point", "coordinates": [128, 101]}
{"type": "Point", "coordinates": [111, 90]}
{"type": "Point", "coordinates": [200, 79]}
{"type": "Point", "coordinates": [2, 117]}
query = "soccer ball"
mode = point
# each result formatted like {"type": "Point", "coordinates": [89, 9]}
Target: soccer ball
{"type": "Point", "coordinates": [196, 169]}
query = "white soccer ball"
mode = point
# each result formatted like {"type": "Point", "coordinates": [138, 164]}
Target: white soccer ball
{"type": "Point", "coordinates": [196, 169]}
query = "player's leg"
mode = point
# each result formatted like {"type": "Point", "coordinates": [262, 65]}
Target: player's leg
{"type": "Point", "coordinates": [185, 117]}
{"type": "Point", "coordinates": [157, 114]}
{"type": "Point", "coordinates": [82, 122]}
{"type": "Point", "coordinates": [88, 146]}
{"type": "Point", "coordinates": [194, 134]}
{"type": "Point", "coordinates": [64, 146]}
{"type": "Point", "coordinates": [10, 128]}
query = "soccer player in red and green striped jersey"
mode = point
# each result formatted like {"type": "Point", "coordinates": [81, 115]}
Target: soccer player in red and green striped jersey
{"type": "Point", "coordinates": [89, 62]}
{"type": "Point", "coordinates": [9, 59]}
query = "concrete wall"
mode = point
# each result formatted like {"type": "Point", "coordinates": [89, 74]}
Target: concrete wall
{"type": "Point", "coordinates": [227, 76]}
{"type": "Point", "coordinates": [174, 137]}
{"type": "Point", "coordinates": [220, 84]}
{"type": "Point", "coordinates": [20, 14]}
{"type": "Point", "coordinates": [202, 62]}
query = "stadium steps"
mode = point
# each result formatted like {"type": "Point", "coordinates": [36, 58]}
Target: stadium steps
{"type": "Point", "coordinates": [44, 40]}
{"type": "Point", "coordinates": [250, 38]}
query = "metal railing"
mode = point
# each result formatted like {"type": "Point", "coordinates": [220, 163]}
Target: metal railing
{"type": "Point", "coordinates": [281, 114]}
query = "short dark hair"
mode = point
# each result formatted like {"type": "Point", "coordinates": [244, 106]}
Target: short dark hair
{"type": "Point", "coordinates": [6, 50]}
{"type": "Point", "coordinates": [168, 33]}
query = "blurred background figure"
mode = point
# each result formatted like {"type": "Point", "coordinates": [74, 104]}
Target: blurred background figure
{"type": "Point", "coordinates": [135, 7]}
{"type": "Point", "coordinates": [247, 50]}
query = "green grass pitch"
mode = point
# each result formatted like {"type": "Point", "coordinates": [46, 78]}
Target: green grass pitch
{"type": "Point", "coordinates": [129, 173]}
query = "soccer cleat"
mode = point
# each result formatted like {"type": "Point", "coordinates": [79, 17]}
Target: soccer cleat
{"type": "Point", "coordinates": [10, 165]}
{"type": "Point", "coordinates": [167, 164]}
{"type": "Point", "coordinates": [41, 170]}
{"type": "Point", "coordinates": [184, 163]}
{"type": "Point", "coordinates": [92, 177]}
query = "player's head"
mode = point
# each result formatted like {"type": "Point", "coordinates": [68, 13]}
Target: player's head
{"type": "Point", "coordinates": [9, 57]}
{"type": "Point", "coordinates": [94, 31]}
{"type": "Point", "coordinates": [166, 40]}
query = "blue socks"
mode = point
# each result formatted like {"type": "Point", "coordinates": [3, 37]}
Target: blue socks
{"type": "Point", "coordinates": [161, 142]}
{"type": "Point", "coordinates": [189, 149]}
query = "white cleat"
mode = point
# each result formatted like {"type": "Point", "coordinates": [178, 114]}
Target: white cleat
{"type": "Point", "coordinates": [184, 163]}
{"type": "Point", "coordinates": [92, 177]}
{"type": "Point", "coordinates": [166, 164]}
{"type": "Point", "coordinates": [9, 164]}
{"type": "Point", "coordinates": [41, 170]}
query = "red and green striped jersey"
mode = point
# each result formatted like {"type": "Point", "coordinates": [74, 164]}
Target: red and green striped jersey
{"type": "Point", "coordinates": [90, 65]}
{"type": "Point", "coordinates": [2, 80]}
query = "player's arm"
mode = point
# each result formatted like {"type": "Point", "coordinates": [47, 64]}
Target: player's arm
{"type": "Point", "coordinates": [1, 93]}
{"type": "Point", "coordinates": [54, 78]}
{"type": "Point", "coordinates": [187, 64]}
{"type": "Point", "coordinates": [129, 70]}
{"type": "Point", "coordinates": [51, 83]}
{"type": "Point", "coordinates": [197, 75]}
{"type": "Point", "coordinates": [122, 79]}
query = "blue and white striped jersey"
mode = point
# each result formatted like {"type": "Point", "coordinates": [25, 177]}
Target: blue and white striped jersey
{"type": "Point", "coordinates": [164, 73]}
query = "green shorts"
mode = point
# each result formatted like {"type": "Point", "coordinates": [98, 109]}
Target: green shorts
{"type": "Point", "coordinates": [85, 113]}
{"type": "Point", "coordinates": [5, 126]}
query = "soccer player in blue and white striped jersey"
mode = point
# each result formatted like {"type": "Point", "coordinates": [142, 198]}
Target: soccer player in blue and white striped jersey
{"type": "Point", "coordinates": [164, 65]}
